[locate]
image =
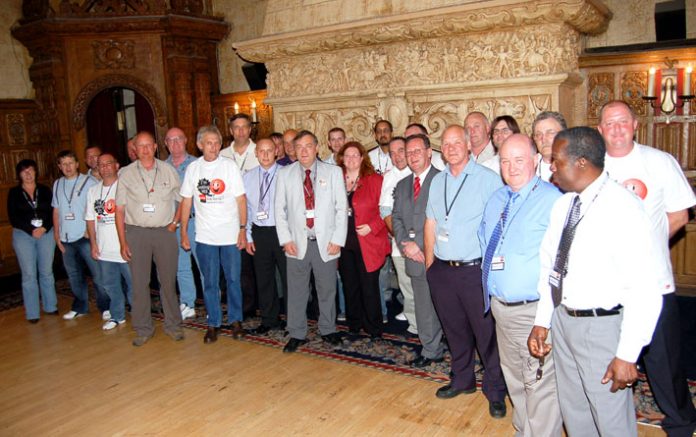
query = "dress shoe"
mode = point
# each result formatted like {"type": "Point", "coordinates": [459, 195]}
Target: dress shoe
{"type": "Point", "coordinates": [211, 335]}
{"type": "Point", "coordinates": [333, 339]}
{"type": "Point", "coordinates": [422, 361]}
{"type": "Point", "coordinates": [293, 344]}
{"type": "Point", "coordinates": [261, 330]}
{"type": "Point", "coordinates": [33, 321]}
{"type": "Point", "coordinates": [497, 409]}
{"type": "Point", "coordinates": [52, 313]}
{"type": "Point", "coordinates": [177, 335]}
{"type": "Point", "coordinates": [448, 392]}
{"type": "Point", "coordinates": [237, 330]}
{"type": "Point", "coordinates": [140, 340]}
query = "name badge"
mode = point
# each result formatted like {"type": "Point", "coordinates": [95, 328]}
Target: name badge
{"type": "Point", "coordinates": [498, 263]}
{"type": "Point", "coordinates": [261, 215]}
{"type": "Point", "coordinates": [37, 222]}
{"type": "Point", "coordinates": [350, 212]}
{"type": "Point", "coordinates": [411, 234]}
{"type": "Point", "coordinates": [149, 207]}
{"type": "Point", "coordinates": [309, 213]}
{"type": "Point", "coordinates": [70, 216]}
{"type": "Point", "coordinates": [554, 279]}
{"type": "Point", "coordinates": [443, 236]}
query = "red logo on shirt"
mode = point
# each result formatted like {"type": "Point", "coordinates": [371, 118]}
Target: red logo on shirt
{"type": "Point", "coordinates": [637, 186]}
{"type": "Point", "coordinates": [110, 206]}
{"type": "Point", "coordinates": [217, 186]}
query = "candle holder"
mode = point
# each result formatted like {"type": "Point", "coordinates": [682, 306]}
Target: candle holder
{"type": "Point", "coordinates": [670, 99]}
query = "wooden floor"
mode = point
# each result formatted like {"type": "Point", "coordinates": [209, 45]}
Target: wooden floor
{"type": "Point", "coordinates": [71, 378]}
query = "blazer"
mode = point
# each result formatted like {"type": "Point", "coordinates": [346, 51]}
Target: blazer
{"type": "Point", "coordinates": [374, 246]}
{"type": "Point", "coordinates": [409, 215]}
{"type": "Point", "coordinates": [330, 208]}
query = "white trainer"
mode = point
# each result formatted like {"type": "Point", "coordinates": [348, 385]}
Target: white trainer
{"type": "Point", "coordinates": [111, 324]}
{"type": "Point", "coordinates": [187, 312]}
{"type": "Point", "coordinates": [106, 315]}
{"type": "Point", "coordinates": [70, 315]}
{"type": "Point", "coordinates": [401, 317]}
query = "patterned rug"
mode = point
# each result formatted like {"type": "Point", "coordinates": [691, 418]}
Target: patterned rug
{"type": "Point", "coordinates": [389, 354]}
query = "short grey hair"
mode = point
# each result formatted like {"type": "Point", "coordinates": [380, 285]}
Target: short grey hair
{"type": "Point", "coordinates": [545, 115]}
{"type": "Point", "coordinates": [208, 130]}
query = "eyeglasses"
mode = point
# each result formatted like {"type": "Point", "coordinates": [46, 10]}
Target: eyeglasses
{"type": "Point", "coordinates": [548, 133]}
{"type": "Point", "coordinates": [106, 164]}
{"type": "Point", "coordinates": [414, 152]}
{"type": "Point", "coordinates": [178, 139]}
{"type": "Point", "coordinates": [503, 131]}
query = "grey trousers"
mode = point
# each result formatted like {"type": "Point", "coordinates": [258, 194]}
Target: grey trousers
{"type": "Point", "coordinates": [429, 328]}
{"type": "Point", "coordinates": [299, 274]}
{"type": "Point", "coordinates": [583, 347]}
{"type": "Point", "coordinates": [159, 244]}
{"type": "Point", "coordinates": [536, 408]}
{"type": "Point", "coordinates": [407, 290]}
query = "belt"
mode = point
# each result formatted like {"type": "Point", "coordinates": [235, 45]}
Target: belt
{"type": "Point", "coordinates": [518, 303]}
{"type": "Point", "coordinates": [312, 238]}
{"type": "Point", "coordinates": [594, 312]}
{"type": "Point", "coordinates": [465, 263]}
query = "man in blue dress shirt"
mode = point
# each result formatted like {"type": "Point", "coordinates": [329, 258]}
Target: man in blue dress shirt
{"type": "Point", "coordinates": [514, 223]}
{"type": "Point", "coordinates": [453, 259]}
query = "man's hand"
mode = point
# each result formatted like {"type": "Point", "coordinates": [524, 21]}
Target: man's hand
{"type": "Point", "coordinates": [411, 250]}
{"type": "Point", "coordinates": [622, 374]}
{"type": "Point", "coordinates": [95, 252]}
{"type": "Point", "coordinates": [241, 239]}
{"type": "Point", "coordinates": [171, 227]}
{"type": "Point", "coordinates": [537, 342]}
{"type": "Point", "coordinates": [125, 252]}
{"type": "Point", "coordinates": [251, 248]}
{"type": "Point", "coordinates": [335, 249]}
{"type": "Point", "coordinates": [60, 246]}
{"type": "Point", "coordinates": [185, 242]}
{"type": "Point", "coordinates": [290, 248]}
{"type": "Point", "coordinates": [38, 232]}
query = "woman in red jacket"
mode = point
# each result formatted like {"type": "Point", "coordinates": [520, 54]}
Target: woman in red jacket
{"type": "Point", "coordinates": [367, 244]}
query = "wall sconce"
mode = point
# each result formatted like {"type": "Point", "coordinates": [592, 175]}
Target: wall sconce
{"type": "Point", "coordinates": [673, 93]}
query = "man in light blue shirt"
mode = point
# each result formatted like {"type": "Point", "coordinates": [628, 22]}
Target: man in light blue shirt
{"type": "Point", "coordinates": [514, 223]}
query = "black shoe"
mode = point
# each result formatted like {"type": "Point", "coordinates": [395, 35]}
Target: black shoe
{"type": "Point", "coordinates": [354, 331]}
{"type": "Point", "coordinates": [33, 321]}
{"type": "Point", "coordinates": [52, 313]}
{"type": "Point", "coordinates": [375, 337]}
{"type": "Point", "coordinates": [448, 392]}
{"type": "Point", "coordinates": [293, 344]}
{"type": "Point", "coordinates": [333, 339]}
{"type": "Point", "coordinates": [211, 335]}
{"type": "Point", "coordinates": [261, 330]}
{"type": "Point", "coordinates": [497, 409]}
{"type": "Point", "coordinates": [422, 361]}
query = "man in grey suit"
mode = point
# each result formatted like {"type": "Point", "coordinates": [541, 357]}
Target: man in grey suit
{"type": "Point", "coordinates": [311, 222]}
{"type": "Point", "coordinates": [408, 218]}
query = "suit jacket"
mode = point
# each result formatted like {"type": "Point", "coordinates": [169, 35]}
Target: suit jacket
{"type": "Point", "coordinates": [374, 246]}
{"type": "Point", "coordinates": [330, 203]}
{"type": "Point", "coordinates": [409, 215]}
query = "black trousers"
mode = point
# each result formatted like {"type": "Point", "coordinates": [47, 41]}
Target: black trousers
{"type": "Point", "coordinates": [361, 290]}
{"type": "Point", "coordinates": [269, 255]}
{"type": "Point", "coordinates": [248, 283]}
{"type": "Point", "coordinates": [665, 375]}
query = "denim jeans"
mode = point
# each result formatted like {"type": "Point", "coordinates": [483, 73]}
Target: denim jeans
{"type": "Point", "coordinates": [210, 258]}
{"type": "Point", "coordinates": [35, 258]}
{"type": "Point", "coordinates": [184, 271]}
{"type": "Point", "coordinates": [111, 274]}
{"type": "Point", "coordinates": [78, 283]}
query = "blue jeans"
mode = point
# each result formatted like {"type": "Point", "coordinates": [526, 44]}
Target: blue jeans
{"type": "Point", "coordinates": [111, 274]}
{"type": "Point", "coordinates": [184, 271]}
{"type": "Point", "coordinates": [78, 283]}
{"type": "Point", "coordinates": [210, 258]}
{"type": "Point", "coordinates": [35, 258]}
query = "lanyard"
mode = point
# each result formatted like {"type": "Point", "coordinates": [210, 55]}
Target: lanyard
{"type": "Point", "coordinates": [262, 194]}
{"type": "Point", "coordinates": [142, 178]}
{"type": "Point", "coordinates": [241, 167]}
{"type": "Point", "coordinates": [101, 192]}
{"type": "Point", "coordinates": [355, 186]}
{"type": "Point", "coordinates": [449, 208]}
{"type": "Point", "coordinates": [508, 223]}
{"type": "Point", "coordinates": [33, 203]}
{"type": "Point", "coordinates": [72, 192]}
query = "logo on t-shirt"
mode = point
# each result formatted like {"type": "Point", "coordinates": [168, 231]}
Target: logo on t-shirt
{"type": "Point", "coordinates": [105, 210]}
{"type": "Point", "coordinates": [210, 191]}
{"type": "Point", "coordinates": [637, 187]}
{"type": "Point", "coordinates": [217, 186]}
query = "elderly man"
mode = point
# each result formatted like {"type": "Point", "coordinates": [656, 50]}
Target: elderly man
{"type": "Point", "coordinates": [452, 254]}
{"type": "Point", "coordinates": [656, 178]}
{"type": "Point", "coordinates": [380, 155]}
{"type": "Point", "coordinates": [243, 149]}
{"type": "Point", "coordinates": [410, 201]}
{"type": "Point", "coordinates": [544, 129]}
{"type": "Point", "coordinates": [311, 221]}
{"type": "Point", "coordinates": [214, 184]}
{"type": "Point", "coordinates": [479, 130]}
{"type": "Point", "coordinates": [289, 146]}
{"type": "Point", "coordinates": [513, 225]}
{"type": "Point", "coordinates": [598, 289]}
{"type": "Point", "coordinates": [337, 138]}
{"type": "Point", "coordinates": [179, 158]}
{"type": "Point", "coordinates": [146, 220]}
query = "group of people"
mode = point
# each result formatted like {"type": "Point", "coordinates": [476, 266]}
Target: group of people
{"type": "Point", "coordinates": [548, 255]}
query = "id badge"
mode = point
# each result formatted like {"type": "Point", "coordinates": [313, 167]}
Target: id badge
{"type": "Point", "coordinates": [411, 234]}
{"type": "Point", "coordinates": [498, 263]}
{"type": "Point", "coordinates": [309, 214]}
{"type": "Point", "coordinates": [261, 215]}
{"type": "Point", "coordinates": [443, 236]}
{"type": "Point", "coordinates": [70, 216]}
{"type": "Point", "coordinates": [554, 279]}
{"type": "Point", "coordinates": [149, 207]}
{"type": "Point", "coordinates": [37, 222]}
{"type": "Point", "coordinates": [350, 212]}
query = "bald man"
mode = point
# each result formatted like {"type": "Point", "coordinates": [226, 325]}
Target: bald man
{"type": "Point", "coordinates": [289, 145]}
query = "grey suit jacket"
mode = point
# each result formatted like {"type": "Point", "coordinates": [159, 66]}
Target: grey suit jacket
{"type": "Point", "coordinates": [407, 215]}
{"type": "Point", "coordinates": [330, 208]}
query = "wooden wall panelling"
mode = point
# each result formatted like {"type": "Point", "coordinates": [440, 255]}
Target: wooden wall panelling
{"type": "Point", "coordinates": [223, 109]}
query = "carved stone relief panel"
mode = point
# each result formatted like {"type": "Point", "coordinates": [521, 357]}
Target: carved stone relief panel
{"type": "Point", "coordinates": [112, 54]}
{"type": "Point", "coordinates": [396, 110]}
{"type": "Point", "coordinates": [632, 85]}
{"type": "Point", "coordinates": [600, 91]}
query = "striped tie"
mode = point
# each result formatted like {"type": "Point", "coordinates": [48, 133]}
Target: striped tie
{"type": "Point", "coordinates": [561, 265]}
{"type": "Point", "coordinates": [490, 251]}
{"type": "Point", "coordinates": [416, 188]}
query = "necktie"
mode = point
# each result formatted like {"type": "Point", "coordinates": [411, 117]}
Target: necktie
{"type": "Point", "coordinates": [263, 198]}
{"type": "Point", "coordinates": [309, 197]}
{"type": "Point", "coordinates": [561, 265]}
{"type": "Point", "coordinates": [490, 251]}
{"type": "Point", "coordinates": [416, 188]}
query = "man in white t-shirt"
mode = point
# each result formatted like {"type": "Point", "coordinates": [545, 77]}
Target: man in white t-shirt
{"type": "Point", "coordinates": [657, 178]}
{"type": "Point", "coordinates": [106, 250]}
{"type": "Point", "coordinates": [215, 184]}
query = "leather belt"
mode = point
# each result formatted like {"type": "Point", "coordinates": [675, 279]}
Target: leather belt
{"type": "Point", "coordinates": [594, 312]}
{"type": "Point", "coordinates": [312, 238]}
{"type": "Point", "coordinates": [518, 303]}
{"type": "Point", "coordinates": [464, 263]}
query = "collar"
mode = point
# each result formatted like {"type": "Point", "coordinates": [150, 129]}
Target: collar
{"type": "Point", "coordinates": [527, 189]}
{"type": "Point", "coordinates": [592, 191]}
{"type": "Point", "coordinates": [425, 172]}
{"type": "Point", "coordinates": [468, 168]}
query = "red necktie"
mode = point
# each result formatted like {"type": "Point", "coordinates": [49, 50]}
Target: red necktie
{"type": "Point", "coordinates": [416, 188]}
{"type": "Point", "coordinates": [309, 197]}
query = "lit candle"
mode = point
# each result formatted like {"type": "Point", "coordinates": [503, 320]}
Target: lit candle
{"type": "Point", "coordinates": [687, 80]}
{"type": "Point", "coordinates": [236, 108]}
{"type": "Point", "coordinates": [651, 82]}
{"type": "Point", "coordinates": [253, 111]}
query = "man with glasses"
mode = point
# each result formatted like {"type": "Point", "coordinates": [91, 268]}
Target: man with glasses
{"type": "Point", "coordinates": [545, 127]}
